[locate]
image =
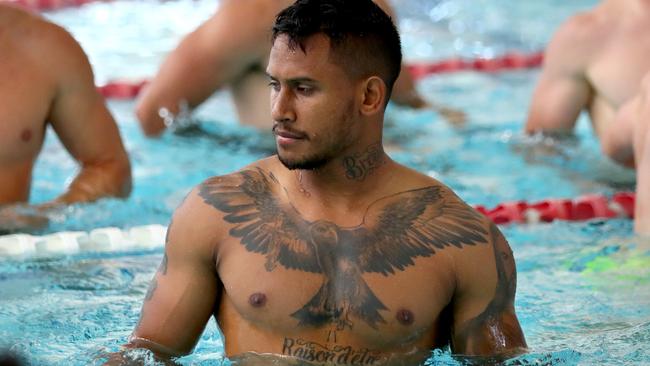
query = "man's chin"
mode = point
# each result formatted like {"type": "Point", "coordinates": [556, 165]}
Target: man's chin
{"type": "Point", "coordinates": [302, 164]}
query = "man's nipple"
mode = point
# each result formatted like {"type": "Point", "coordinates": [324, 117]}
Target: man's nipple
{"type": "Point", "coordinates": [257, 300]}
{"type": "Point", "coordinates": [26, 135]}
{"type": "Point", "coordinates": [405, 317]}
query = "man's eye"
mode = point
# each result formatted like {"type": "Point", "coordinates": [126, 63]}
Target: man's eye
{"type": "Point", "coordinates": [304, 89]}
{"type": "Point", "coordinates": [274, 85]}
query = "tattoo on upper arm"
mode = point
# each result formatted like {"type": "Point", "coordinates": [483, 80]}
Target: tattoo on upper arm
{"type": "Point", "coordinates": [162, 269]}
{"type": "Point", "coordinates": [395, 230]}
{"type": "Point", "coordinates": [496, 328]}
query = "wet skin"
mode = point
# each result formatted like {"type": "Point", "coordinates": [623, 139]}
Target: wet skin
{"type": "Point", "coordinates": [392, 284]}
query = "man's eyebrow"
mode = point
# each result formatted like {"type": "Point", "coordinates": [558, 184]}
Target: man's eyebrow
{"type": "Point", "coordinates": [297, 80]}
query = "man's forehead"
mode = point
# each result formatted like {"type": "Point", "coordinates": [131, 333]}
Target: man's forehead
{"type": "Point", "coordinates": [318, 44]}
{"type": "Point", "coordinates": [287, 59]}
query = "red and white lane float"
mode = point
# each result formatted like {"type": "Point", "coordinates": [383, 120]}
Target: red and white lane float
{"type": "Point", "coordinates": [112, 239]}
{"type": "Point", "coordinates": [593, 206]}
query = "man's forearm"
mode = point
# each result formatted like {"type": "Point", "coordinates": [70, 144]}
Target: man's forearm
{"type": "Point", "coordinates": [94, 181]}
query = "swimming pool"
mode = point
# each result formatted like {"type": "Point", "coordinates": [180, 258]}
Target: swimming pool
{"type": "Point", "coordinates": [584, 288]}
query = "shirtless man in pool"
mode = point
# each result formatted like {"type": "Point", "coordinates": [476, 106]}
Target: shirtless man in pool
{"type": "Point", "coordinates": [45, 79]}
{"type": "Point", "coordinates": [330, 252]}
{"type": "Point", "coordinates": [599, 61]}
{"type": "Point", "coordinates": [231, 50]}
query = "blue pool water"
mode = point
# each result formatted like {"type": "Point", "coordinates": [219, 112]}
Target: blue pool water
{"type": "Point", "coordinates": [584, 289]}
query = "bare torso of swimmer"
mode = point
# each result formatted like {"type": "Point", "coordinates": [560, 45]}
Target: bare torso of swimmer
{"type": "Point", "coordinates": [331, 302]}
{"type": "Point", "coordinates": [619, 34]}
{"type": "Point", "coordinates": [25, 95]}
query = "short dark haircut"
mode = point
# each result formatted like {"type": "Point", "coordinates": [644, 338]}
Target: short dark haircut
{"type": "Point", "coordinates": [363, 37]}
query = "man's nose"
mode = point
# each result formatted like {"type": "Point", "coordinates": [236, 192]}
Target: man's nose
{"type": "Point", "coordinates": [282, 109]}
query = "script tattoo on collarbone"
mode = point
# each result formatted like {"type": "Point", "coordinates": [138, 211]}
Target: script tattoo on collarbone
{"type": "Point", "coordinates": [410, 224]}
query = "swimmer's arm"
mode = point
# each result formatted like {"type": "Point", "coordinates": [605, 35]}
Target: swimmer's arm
{"type": "Point", "coordinates": [85, 126]}
{"type": "Point", "coordinates": [563, 90]}
{"type": "Point", "coordinates": [216, 54]}
{"type": "Point", "coordinates": [484, 319]}
{"type": "Point", "coordinates": [642, 157]}
{"type": "Point", "coordinates": [185, 289]}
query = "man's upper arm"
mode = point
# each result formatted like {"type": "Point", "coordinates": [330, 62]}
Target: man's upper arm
{"type": "Point", "coordinates": [217, 53]}
{"type": "Point", "coordinates": [81, 119]}
{"type": "Point", "coordinates": [484, 319]}
{"type": "Point", "coordinates": [184, 291]}
{"type": "Point", "coordinates": [563, 89]}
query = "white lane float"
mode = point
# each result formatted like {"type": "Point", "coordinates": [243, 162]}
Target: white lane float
{"type": "Point", "coordinates": [108, 239]}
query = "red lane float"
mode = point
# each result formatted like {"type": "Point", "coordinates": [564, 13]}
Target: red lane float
{"type": "Point", "coordinates": [582, 208]}
{"type": "Point", "coordinates": [122, 89]}
{"type": "Point", "coordinates": [509, 61]}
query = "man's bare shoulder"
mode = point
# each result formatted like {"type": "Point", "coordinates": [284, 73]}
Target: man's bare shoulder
{"type": "Point", "coordinates": [580, 37]}
{"type": "Point", "coordinates": [436, 206]}
{"type": "Point", "coordinates": [206, 195]}
{"type": "Point", "coordinates": [42, 41]}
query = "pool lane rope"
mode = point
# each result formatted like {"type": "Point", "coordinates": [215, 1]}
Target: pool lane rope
{"type": "Point", "coordinates": [109, 239]}
{"type": "Point", "coordinates": [587, 207]}
{"type": "Point", "coordinates": [113, 239]}
{"type": "Point", "coordinates": [129, 89]}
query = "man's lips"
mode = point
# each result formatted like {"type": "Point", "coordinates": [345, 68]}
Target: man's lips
{"type": "Point", "coordinates": [288, 134]}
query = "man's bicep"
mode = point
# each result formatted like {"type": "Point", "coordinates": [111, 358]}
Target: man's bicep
{"type": "Point", "coordinates": [557, 103]}
{"type": "Point", "coordinates": [563, 89]}
{"type": "Point", "coordinates": [183, 293]}
{"type": "Point", "coordinates": [78, 113]}
{"type": "Point", "coordinates": [177, 306]}
{"type": "Point", "coordinates": [485, 322]}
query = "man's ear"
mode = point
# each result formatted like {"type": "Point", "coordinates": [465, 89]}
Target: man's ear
{"type": "Point", "coordinates": [374, 94]}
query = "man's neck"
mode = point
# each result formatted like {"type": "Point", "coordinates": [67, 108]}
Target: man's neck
{"type": "Point", "coordinates": [345, 181]}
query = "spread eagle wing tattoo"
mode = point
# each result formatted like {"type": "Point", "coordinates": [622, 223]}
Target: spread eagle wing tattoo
{"type": "Point", "coordinates": [415, 224]}
{"type": "Point", "coordinates": [263, 226]}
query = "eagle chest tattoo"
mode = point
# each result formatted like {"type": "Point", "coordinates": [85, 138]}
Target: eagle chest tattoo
{"type": "Point", "coordinates": [395, 230]}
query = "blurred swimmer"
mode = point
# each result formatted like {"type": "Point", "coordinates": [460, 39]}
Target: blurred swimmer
{"type": "Point", "coordinates": [46, 80]}
{"type": "Point", "coordinates": [231, 50]}
{"type": "Point", "coordinates": [598, 61]}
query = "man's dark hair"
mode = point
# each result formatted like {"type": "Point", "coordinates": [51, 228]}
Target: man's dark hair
{"type": "Point", "coordinates": [363, 37]}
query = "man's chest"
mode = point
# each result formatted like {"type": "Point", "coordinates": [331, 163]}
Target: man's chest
{"type": "Point", "coordinates": [620, 65]}
{"type": "Point", "coordinates": [341, 302]}
{"type": "Point", "coordinates": [25, 99]}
